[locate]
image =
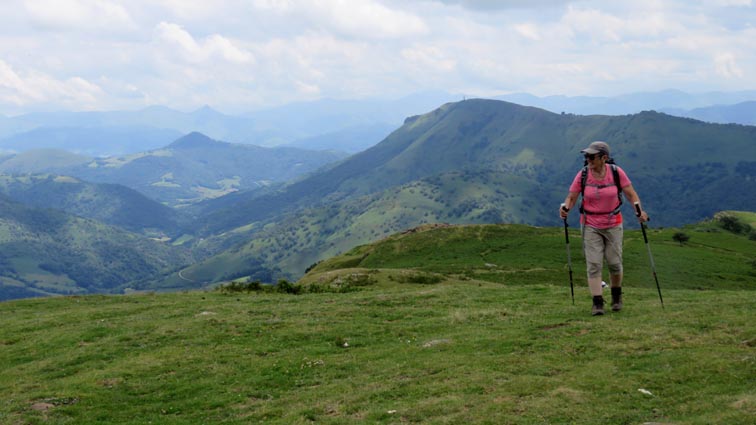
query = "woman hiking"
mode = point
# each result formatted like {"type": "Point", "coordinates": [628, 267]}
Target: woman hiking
{"type": "Point", "coordinates": [601, 184]}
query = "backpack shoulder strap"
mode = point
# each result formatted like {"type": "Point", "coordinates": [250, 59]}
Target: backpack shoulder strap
{"type": "Point", "coordinates": [583, 179]}
{"type": "Point", "coordinates": [615, 174]}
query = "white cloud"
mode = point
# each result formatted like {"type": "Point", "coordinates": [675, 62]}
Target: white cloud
{"type": "Point", "coordinates": [429, 58]}
{"type": "Point", "coordinates": [365, 18]}
{"type": "Point", "coordinates": [213, 47]}
{"type": "Point", "coordinates": [79, 15]}
{"type": "Point", "coordinates": [23, 89]}
{"type": "Point", "coordinates": [605, 26]}
{"type": "Point", "coordinates": [528, 31]}
{"type": "Point", "coordinates": [244, 54]}
{"type": "Point", "coordinates": [726, 66]}
{"type": "Point", "coordinates": [368, 19]}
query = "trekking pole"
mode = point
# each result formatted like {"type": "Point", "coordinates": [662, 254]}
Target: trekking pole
{"type": "Point", "coordinates": [650, 257]}
{"type": "Point", "coordinates": [569, 257]}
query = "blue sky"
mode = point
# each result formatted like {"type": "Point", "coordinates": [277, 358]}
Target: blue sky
{"type": "Point", "coordinates": [242, 55]}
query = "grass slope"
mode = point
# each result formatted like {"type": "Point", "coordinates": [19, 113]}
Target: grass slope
{"type": "Point", "coordinates": [493, 338]}
{"type": "Point", "coordinates": [519, 255]}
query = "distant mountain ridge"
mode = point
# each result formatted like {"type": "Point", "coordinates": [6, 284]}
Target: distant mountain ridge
{"type": "Point", "coordinates": [347, 125]}
{"type": "Point", "coordinates": [115, 132]}
{"type": "Point", "coordinates": [740, 113]}
{"type": "Point", "coordinates": [190, 169]}
{"type": "Point", "coordinates": [631, 103]}
{"type": "Point", "coordinates": [91, 141]}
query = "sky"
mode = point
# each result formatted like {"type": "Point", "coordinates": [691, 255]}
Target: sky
{"type": "Point", "coordinates": [244, 55]}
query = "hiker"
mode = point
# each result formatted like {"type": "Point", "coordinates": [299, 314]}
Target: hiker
{"type": "Point", "coordinates": [601, 184]}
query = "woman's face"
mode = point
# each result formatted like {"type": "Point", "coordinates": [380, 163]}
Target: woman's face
{"type": "Point", "coordinates": [595, 159]}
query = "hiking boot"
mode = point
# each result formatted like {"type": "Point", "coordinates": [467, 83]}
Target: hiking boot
{"type": "Point", "coordinates": [598, 306]}
{"type": "Point", "coordinates": [617, 299]}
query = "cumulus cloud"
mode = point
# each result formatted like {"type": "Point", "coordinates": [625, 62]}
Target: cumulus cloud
{"type": "Point", "coordinates": [726, 66]}
{"type": "Point", "coordinates": [22, 89]}
{"type": "Point", "coordinates": [212, 47]}
{"type": "Point", "coordinates": [429, 57]}
{"type": "Point", "coordinates": [354, 18]}
{"type": "Point", "coordinates": [251, 53]}
{"type": "Point", "coordinates": [79, 15]}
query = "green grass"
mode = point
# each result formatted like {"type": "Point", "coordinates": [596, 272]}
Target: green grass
{"type": "Point", "coordinates": [446, 353]}
{"type": "Point", "coordinates": [525, 255]}
{"type": "Point", "coordinates": [494, 340]}
{"type": "Point", "coordinates": [745, 217]}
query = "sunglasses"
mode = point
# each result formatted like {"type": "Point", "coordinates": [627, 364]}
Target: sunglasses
{"type": "Point", "coordinates": [592, 156]}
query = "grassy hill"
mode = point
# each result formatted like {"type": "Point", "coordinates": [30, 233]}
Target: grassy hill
{"type": "Point", "coordinates": [444, 324]}
{"type": "Point", "coordinates": [518, 254]}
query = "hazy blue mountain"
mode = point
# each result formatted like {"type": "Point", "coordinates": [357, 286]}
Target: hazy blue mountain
{"type": "Point", "coordinates": [351, 140]}
{"type": "Point", "coordinates": [740, 113]}
{"type": "Point", "coordinates": [631, 103]}
{"type": "Point", "coordinates": [153, 118]}
{"type": "Point", "coordinates": [195, 167]}
{"type": "Point", "coordinates": [268, 127]}
{"type": "Point", "coordinates": [309, 119]}
{"type": "Point", "coordinates": [92, 141]}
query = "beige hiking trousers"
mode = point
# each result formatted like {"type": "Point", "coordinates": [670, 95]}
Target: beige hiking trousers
{"type": "Point", "coordinates": [600, 244]}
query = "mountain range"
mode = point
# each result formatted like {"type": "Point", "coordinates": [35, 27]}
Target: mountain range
{"type": "Point", "coordinates": [674, 102]}
{"type": "Point", "coordinates": [473, 161]}
{"type": "Point", "coordinates": [478, 161]}
{"type": "Point", "coordinates": [739, 113]}
{"type": "Point", "coordinates": [328, 124]}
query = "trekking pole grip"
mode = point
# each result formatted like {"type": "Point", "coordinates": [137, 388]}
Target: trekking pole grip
{"type": "Point", "coordinates": [638, 211]}
{"type": "Point", "coordinates": [643, 225]}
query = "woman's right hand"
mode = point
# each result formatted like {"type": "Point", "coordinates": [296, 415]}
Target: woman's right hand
{"type": "Point", "coordinates": [563, 211]}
